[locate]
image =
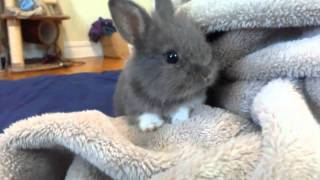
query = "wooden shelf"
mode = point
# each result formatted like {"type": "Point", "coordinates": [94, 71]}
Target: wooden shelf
{"type": "Point", "coordinates": [56, 18]}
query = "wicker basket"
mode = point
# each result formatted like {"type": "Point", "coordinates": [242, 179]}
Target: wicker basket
{"type": "Point", "coordinates": [115, 46]}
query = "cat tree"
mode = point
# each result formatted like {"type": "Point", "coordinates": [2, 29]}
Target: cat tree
{"type": "Point", "coordinates": [15, 34]}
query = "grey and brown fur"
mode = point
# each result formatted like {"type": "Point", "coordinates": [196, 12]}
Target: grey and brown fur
{"type": "Point", "coordinates": [148, 83]}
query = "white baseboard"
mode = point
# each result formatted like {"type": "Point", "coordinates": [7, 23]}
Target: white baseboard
{"type": "Point", "coordinates": [82, 49]}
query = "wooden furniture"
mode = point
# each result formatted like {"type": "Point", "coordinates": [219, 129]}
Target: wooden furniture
{"type": "Point", "coordinates": [15, 34]}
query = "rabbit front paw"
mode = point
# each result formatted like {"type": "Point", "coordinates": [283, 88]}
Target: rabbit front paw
{"type": "Point", "coordinates": [150, 121]}
{"type": "Point", "coordinates": [181, 115]}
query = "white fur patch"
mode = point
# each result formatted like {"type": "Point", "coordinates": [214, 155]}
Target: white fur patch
{"type": "Point", "coordinates": [181, 115]}
{"type": "Point", "coordinates": [150, 121]}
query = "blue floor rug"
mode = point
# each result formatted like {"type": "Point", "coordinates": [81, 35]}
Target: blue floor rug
{"type": "Point", "coordinates": [45, 94]}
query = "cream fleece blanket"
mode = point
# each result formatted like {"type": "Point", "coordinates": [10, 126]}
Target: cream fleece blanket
{"type": "Point", "coordinates": [264, 40]}
{"type": "Point", "coordinates": [214, 144]}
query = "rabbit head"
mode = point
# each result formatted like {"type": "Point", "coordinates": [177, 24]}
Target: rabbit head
{"type": "Point", "coordinates": [171, 56]}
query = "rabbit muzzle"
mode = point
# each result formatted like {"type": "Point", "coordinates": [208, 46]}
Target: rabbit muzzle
{"type": "Point", "coordinates": [203, 72]}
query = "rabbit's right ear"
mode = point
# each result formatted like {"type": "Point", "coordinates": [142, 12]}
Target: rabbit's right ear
{"type": "Point", "coordinates": [165, 9]}
{"type": "Point", "coordinates": [131, 20]}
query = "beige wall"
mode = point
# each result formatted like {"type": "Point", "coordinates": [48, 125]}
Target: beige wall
{"type": "Point", "coordinates": [83, 13]}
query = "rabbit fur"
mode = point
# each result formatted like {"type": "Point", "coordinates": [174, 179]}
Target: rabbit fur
{"type": "Point", "coordinates": [151, 90]}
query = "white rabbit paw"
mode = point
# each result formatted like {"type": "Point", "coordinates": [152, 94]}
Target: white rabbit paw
{"type": "Point", "coordinates": [150, 121]}
{"type": "Point", "coordinates": [181, 115]}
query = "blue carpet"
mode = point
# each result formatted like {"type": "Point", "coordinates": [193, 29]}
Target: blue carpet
{"type": "Point", "coordinates": [68, 93]}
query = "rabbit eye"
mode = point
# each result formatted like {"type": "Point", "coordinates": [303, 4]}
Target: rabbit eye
{"type": "Point", "coordinates": [172, 57]}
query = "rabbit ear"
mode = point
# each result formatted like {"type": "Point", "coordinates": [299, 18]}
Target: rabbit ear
{"type": "Point", "coordinates": [165, 9]}
{"type": "Point", "coordinates": [131, 20]}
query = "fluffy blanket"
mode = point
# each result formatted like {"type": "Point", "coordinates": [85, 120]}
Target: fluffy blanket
{"type": "Point", "coordinates": [214, 144]}
{"type": "Point", "coordinates": [264, 40]}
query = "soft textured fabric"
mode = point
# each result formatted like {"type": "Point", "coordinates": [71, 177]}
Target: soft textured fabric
{"type": "Point", "coordinates": [266, 39]}
{"type": "Point", "coordinates": [28, 97]}
{"type": "Point", "coordinates": [213, 144]}
{"type": "Point", "coordinates": [224, 15]}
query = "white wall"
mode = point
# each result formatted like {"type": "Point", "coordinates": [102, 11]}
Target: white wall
{"type": "Point", "coordinates": [83, 13]}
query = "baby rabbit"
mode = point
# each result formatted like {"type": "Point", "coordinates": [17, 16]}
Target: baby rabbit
{"type": "Point", "coordinates": [170, 69]}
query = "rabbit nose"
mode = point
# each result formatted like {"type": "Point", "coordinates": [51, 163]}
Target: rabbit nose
{"type": "Point", "coordinates": [197, 68]}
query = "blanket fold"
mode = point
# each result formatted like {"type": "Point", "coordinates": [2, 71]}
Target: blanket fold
{"type": "Point", "coordinates": [213, 144]}
{"type": "Point", "coordinates": [111, 145]}
{"type": "Point", "coordinates": [295, 59]}
{"type": "Point", "coordinates": [267, 128]}
{"type": "Point", "coordinates": [264, 40]}
{"type": "Point", "coordinates": [216, 15]}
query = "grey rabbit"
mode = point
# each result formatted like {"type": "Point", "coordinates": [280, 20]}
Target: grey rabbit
{"type": "Point", "coordinates": [170, 69]}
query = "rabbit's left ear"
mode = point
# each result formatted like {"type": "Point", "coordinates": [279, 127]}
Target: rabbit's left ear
{"type": "Point", "coordinates": [131, 20]}
{"type": "Point", "coordinates": [165, 9]}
